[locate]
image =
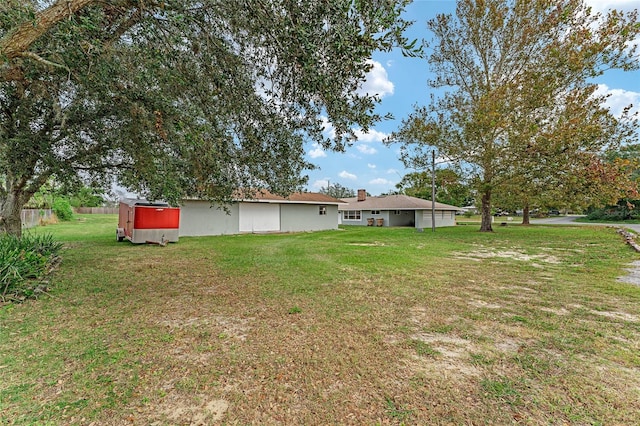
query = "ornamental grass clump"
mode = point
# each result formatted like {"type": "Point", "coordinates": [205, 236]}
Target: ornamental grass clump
{"type": "Point", "coordinates": [24, 264]}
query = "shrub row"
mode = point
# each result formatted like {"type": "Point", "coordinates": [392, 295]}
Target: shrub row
{"type": "Point", "coordinates": [24, 263]}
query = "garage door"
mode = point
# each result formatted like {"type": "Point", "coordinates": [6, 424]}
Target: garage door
{"type": "Point", "coordinates": [259, 217]}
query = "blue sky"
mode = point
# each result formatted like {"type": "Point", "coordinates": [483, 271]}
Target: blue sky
{"type": "Point", "coordinates": [402, 83]}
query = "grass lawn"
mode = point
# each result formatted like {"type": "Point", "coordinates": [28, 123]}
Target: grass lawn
{"type": "Point", "coordinates": [365, 325]}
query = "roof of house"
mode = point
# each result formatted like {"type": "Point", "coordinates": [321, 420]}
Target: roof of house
{"type": "Point", "coordinates": [392, 202]}
{"type": "Point", "coordinates": [296, 197]}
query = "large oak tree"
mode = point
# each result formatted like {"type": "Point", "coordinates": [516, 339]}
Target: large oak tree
{"type": "Point", "coordinates": [176, 98]}
{"type": "Point", "coordinates": [518, 103]}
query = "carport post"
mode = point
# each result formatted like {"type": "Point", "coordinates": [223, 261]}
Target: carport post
{"type": "Point", "coordinates": [433, 191]}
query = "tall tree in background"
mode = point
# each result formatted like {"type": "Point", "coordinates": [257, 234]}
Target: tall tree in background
{"type": "Point", "coordinates": [560, 154]}
{"type": "Point", "coordinates": [180, 97]}
{"type": "Point", "coordinates": [338, 191]}
{"type": "Point", "coordinates": [510, 65]}
{"type": "Point", "coordinates": [450, 188]}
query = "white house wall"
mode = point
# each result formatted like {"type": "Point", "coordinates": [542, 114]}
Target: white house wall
{"type": "Point", "coordinates": [307, 217]}
{"type": "Point", "coordinates": [198, 218]}
{"type": "Point", "coordinates": [259, 217]}
{"type": "Point", "coordinates": [443, 218]}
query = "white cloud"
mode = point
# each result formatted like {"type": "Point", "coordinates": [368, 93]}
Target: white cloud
{"type": "Point", "coordinates": [377, 82]}
{"type": "Point", "coordinates": [380, 181]}
{"type": "Point", "coordinates": [329, 130]}
{"type": "Point", "coordinates": [619, 99]}
{"type": "Point", "coordinates": [390, 63]}
{"type": "Point", "coordinates": [317, 152]}
{"type": "Point", "coordinates": [604, 5]}
{"type": "Point", "coordinates": [371, 166]}
{"type": "Point", "coordinates": [320, 183]}
{"type": "Point", "coordinates": [392, 171]}
{"type": "Point", "coordinates": [366, 149]}
{"type": "Point", "coordinates": [370, 136]}
{"type": "Point", "coordinates": [346, 175]}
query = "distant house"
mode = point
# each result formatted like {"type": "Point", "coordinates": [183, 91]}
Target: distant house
{"type": "Point", "coordinates": [261, 212]}
{"type": "Point", "coordinates": [394, 210]}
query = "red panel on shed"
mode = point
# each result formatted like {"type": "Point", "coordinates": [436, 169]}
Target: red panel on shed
{"type": "Point", "coordinates": [156, 217]}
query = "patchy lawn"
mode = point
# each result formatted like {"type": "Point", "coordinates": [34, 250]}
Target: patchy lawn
{"type": "Point", "coordinates": [358, 326]}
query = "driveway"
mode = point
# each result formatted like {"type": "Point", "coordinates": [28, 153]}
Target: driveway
{"type": "Point", "coordinates": [570, 220]}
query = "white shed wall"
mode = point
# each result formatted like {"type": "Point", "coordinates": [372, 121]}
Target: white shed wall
{"type": "Point", "coordinates": [198, 218]}
{"type": "Point", "coordinates": [443, 218]}
{"type": "Point", "coordinates": [259, 217]}
{"type": "Point", "coordinates": [307, 217]}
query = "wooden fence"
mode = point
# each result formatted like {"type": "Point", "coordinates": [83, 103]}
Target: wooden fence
{"type": "Point", "coordinates": [96, 210]}
{"type": "Point", "coordinates": [33, 217]}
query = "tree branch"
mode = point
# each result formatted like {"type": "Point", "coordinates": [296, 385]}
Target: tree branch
{"type": "Point", "coordinates": [40, 59]}
{"type": "Point", "coordinates": [17, 42]}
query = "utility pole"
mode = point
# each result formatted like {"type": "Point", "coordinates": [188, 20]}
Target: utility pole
{"type": "Point", "coordinates": [433, 191]}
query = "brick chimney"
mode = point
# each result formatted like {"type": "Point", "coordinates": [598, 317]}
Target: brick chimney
{"type": "Point", "coordinates": [362, 194]}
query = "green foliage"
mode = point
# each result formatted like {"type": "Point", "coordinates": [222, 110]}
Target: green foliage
{"type": "Point", "coordinates": [23, 263]}
{"type": "Point", "coordinates": [62, 209]}
{"type": "Point", "coordinates": [87, 197]}
{"type": "Point", "coordinates": [624, 210]}
{"type": "Point", "coordinates": [450, 187]}
{"type": "Point", "coordinates": [523, 124]}
{"type": "Point", "coordinates": [338, 191]}
{"type": "Point", "coordinates": [179, 98]}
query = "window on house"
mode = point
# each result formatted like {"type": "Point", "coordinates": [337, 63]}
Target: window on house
{"type": "Point", "coordinates": [352, 215]}
{"type": "Point", "coordinates": [375, 211]}
{"type": "Point", "coordinates": [322, 210]}
{"type": "Point", "coordinates": [397, 212]}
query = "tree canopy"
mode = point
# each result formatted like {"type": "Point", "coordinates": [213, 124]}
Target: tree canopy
{"type": "Point", "coordinates": [450, 187]}
{"type": "Point", "coordinates": [338, 191]}
{"type": "Point", "coordinates": [176, 98]}
{"type": "Point", "coordinates": [519, 107]}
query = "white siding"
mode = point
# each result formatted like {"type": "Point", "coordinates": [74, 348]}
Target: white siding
{"type": "Point", "coordinates": [259, 217]}
{"type": "Point", "coordinates": [443, 218]}
{"type": "Point", "coordinates": [200, 218]}
{"type": "Point", "coordinates": [307, 217]}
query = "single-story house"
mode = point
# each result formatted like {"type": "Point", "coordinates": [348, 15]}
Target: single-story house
{"type": "Point", "coordinates": [394, 210]}
{"type": "Point", "coordinates": [261, 212]}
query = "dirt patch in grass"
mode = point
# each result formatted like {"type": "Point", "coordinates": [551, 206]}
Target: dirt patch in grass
{"type": "Point", "coordinates": [482, 253]}
{"type": "Point", "coordinates": [195, 411]}
{"type": "Point", "coordinates": [633, 276]}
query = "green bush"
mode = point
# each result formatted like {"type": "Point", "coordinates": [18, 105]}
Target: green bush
{"type": "Point", "coordinates": [24, 262]}
{"type": "Point", "coordinates": [62, 209]}
{"type": "Point", "coordinates": [624, 210]}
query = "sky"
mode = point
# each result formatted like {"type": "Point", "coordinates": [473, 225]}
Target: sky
{"type": "Point", "coordinates": [402, 83]}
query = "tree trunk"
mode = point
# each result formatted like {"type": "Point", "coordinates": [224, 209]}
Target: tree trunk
{"type": "Point", "coordinates": [485, 225]}
{"type": "Point", "coordinates": [10, 215]}
{"type": "Point", "coordinates": [525, 214]}
{"type": "Point", "coordinates": [17, 42]}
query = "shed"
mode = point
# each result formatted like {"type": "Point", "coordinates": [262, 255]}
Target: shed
{"type": "Point", "coordinates": [260, 212]}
